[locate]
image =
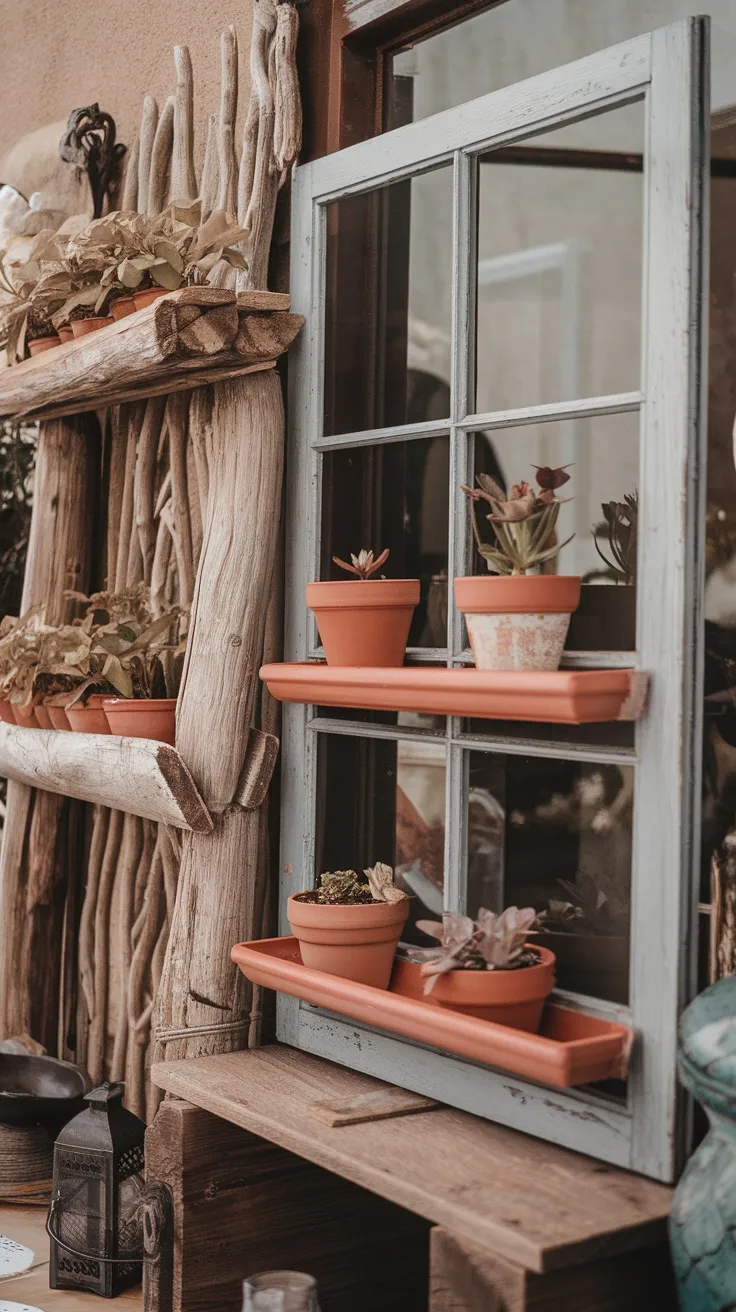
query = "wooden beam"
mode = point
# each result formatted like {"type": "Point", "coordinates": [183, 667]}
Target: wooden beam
{"type": "Point", "coordinates": [194, 328]}
{"type": "Point", "coordinates": [243, 1205]}
{"type": "Point", "coordinates": [138, 775]}
{"type": "Point", "coordinates": [529, 1202]}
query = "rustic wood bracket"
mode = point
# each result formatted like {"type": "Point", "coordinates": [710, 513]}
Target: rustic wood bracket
{"type": "Point", "coordinates": [258, 768]}
{"type": "Point", "coordinates": [138, 775]}
{"type": "Point", "coordinates": [158, 1247]}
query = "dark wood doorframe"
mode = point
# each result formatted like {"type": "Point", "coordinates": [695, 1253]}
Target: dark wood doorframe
{"type": "Point", "coordinates": [344, 50]}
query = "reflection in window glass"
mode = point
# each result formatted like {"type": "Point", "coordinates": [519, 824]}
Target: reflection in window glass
{"type": "Point", "coordinates": [556, 835]}
{"type": "Point", "coordinates": [396, 496]}
{"type": "Point", "coordinates": [388, 305]}
{"type": "Point", "coordinates": [603, 453]}
{"type": "Point", "coordinates": [384, 801]}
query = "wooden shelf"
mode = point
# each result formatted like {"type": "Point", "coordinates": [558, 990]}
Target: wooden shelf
{"type": "Point", "coordinates": [554, 697]}
{"type": "Point", "coordinates": [187, 338]}
{"type": "Point", "coordinates": [571, 1048]}
{"type": "Point", "coordinates": [138, 775]}
{"type": "Point", "coordinates": [541, 1206]}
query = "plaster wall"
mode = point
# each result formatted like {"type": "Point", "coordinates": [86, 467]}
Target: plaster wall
{"type": "Point", "coordinates": [55, 57]}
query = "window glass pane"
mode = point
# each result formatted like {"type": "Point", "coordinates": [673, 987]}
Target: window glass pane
{"type": "Point", "coordinates": [559, 266]}
{"type": "Point", "coordinates": [619, 733]}
{"type": "Point", "coordinates": [556, 835]}
{"type": "Point", "coordinates": [395, 495]}
{"type": "Point", "coordinates": [603, 453]}
{"type": "Point", "coordinates": [384, 801]}
{"type": "Point", "coordinates": [388, 305]}
{"type": "Point", "coordinates": [520, 38]}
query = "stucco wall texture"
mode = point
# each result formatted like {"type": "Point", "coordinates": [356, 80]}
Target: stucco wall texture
{"type": "Point", "coordinates": [55, 57]}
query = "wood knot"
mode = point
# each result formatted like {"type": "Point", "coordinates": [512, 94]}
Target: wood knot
{"type": "Point", "coordinates": [235, 640]}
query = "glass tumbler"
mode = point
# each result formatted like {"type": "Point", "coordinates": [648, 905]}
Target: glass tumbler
{"type": "Point", "coordinates": [280, 1291]}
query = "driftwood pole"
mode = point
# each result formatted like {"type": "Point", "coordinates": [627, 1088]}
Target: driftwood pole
{"type": "Point", "coordinates": [34, 859]}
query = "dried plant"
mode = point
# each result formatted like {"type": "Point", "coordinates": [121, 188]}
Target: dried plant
{"type": "Point", "coordinates": [32, 287]}
{"type": "Point", "coordinates": [524, 523]}
{"type": "Point", "coordinates": [363, 565]}
{"type": "Point", "coordinates": [492, 942]}
{"type": "Point", "coordinates": [598, 906]}
{"type": "Point", "coordinates": [620, 530]}
{"type": "Point", "coordinates": [126, 642]}
{"type": "Point", "coordinates": [345, 887]}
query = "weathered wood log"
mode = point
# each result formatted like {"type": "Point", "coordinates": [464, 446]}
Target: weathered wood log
{"type": "Point", "coordinates": [144, 349]}
{"type": "Point", "coordinates": [228, 164]}
{"type": "Point", "coordinates": [129, 193]}
{"type": "Point", "coordinates": [59, 550]}
{"type": "Point", "coordinates": [210, 170]}
{"type": "Point", "coordinates": [97, 1040]}
{"type": "Point", "coordinates": [138, 775]}
{"type": "Point", "coordinates": [183, 176]}
{"type": "Point", "coordinates": [177, 411]}
{"type": "Point", "coordinates": [149, 123]}
{"type": "Point", "coordinates": [144, 492]}
{"type": "Point", "coordinates": [160, 170]}
{"type": "Point", "coordinates": [262, 179]}
{"type": "Point", "coordinates": [203, 1007]}
{"type": "Point", "coordinates": [723, 909]}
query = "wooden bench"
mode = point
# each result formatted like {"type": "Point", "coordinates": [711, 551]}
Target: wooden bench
{"type": "Point", "coordinates": [433, 1209]}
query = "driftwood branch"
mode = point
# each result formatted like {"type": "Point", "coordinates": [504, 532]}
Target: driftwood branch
{"type": "Point", "coordinates": [183, 177]}
{"type": "Point", "coordinates": [160, 170]}
{"type": "Point", "coordinates": [149, 123]}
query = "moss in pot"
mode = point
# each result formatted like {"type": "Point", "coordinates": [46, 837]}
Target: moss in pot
{"type": "Point", "coordinates": [518, 617]}
{"type": "Point", "coordinates": [350, 926]}
{"type": "Point", "coordinates": [485, 967]}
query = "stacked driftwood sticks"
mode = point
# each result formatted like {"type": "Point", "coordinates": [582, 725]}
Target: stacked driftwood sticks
{"type": "Point", "coordinates": [132, 952]}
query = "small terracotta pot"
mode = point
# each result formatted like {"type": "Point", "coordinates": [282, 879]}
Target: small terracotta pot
{"type": "Point", "coordinates": [518, 622]}
{"type": "Point", "coordinates": [122, 306]}
{"type": "Point", "coordinates": [151, 294]}
{"type": "Point", "coordinates": [81, 327]}
{"type": "Point", "coordinates": [66, 332]}
{"type": "Point", "coordinates": [6, 712]}
{"type": "Point", "coordinates": [41, 344]}
{"type": "Point", "coordinates": [25, 716]}
{"type": "Point", "coordinates": [508, 997]}
{"type": "Point", "coordinates": [364, 621]}
{"type": "Point", "coordinates": [59, 718]}
{"type": "Point", "coordinates": [43, 717]}
{"type": "Point", "coordinates": [357, 942]}
{"type": "Point", "coordinates": [142, 717]}
{"type": "Point", "coordinates": [89, 718]}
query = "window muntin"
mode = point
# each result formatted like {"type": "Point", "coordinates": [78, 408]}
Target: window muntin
{"type": "Point", "coordinates": [638, 1134]}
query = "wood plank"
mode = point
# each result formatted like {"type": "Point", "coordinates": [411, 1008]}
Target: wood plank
{"type": "Point", "coordinates": [375, 1106]}
{"type": "Point", "coordinates": [138, 775]}
{"type": "Point", "coordinates": [143, 348]}
{"type": "Point", "coordinates": [243, 1205]}
{"type": "Point", "coordinates": [532, 1203]}
{"type": "Point", "coordinates": [463, 1278]}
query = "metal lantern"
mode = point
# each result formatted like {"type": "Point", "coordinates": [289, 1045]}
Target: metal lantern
{"type": "Point", "coordinates": [95, 1220]}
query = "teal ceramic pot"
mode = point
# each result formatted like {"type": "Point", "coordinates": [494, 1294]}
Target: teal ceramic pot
{"type": "Point", "coordinates": [703, 1216]}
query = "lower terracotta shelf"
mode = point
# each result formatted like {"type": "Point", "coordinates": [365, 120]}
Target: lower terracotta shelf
{"type": "Point", "coordinates": [556, 696]}
{"type": "Point", "coordinates": [571, 1049]}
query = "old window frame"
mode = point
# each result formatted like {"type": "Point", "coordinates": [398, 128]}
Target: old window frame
{"type": "Point", "coordinates": [667, 69]}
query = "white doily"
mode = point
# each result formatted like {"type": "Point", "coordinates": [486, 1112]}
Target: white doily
{"type": "Point", "coordinates": [14, 1258]}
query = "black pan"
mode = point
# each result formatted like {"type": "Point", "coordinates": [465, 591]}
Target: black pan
{"type": "Point", "coordinates": [39, 1089]}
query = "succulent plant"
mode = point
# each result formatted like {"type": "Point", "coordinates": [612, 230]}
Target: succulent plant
{"type": "Point", "coordinates": [620, 530]}
{"type": "Point", "coordinates": [363, 565]}
{"type": "Point", "coordinates": [345, 886]}
{"type": "Point", "coordinates": [524, 523]}
{"type": "Point", "coordinates": [492, 942]}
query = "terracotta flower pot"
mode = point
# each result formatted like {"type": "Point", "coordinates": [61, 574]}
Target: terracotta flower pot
{"type": "Point", "coordinates": [59, 718]}
{"type": "Point", "coordinates": [357, 942]}
{"type": "Point", "coordinates": [364, 621]}
{"type": "Point", "coordinates": [66, 332]}
{"type": "Point", "coordinates": [147, 297]}
{"type": "Point", "coordinates": [81, 327]}
{"type": "Point", "coordinates": [41, 344]}
{"type": "Point", "coordinates": [508, 997]}
{"type": "Point", "coordinates": [518, 622]}
{"type": "Point", "coordinates": [43, 717]}
{"type": "Point", "coordinates": [90, 718]}
{"type": "Point", "coordinates": [144, 717]}
{"type": "Point", "coordinates": [6, 712]}
{"type": "Point", "coordinates": [122, 306]}
{"type": "Point", "coordinates": [25, 716]}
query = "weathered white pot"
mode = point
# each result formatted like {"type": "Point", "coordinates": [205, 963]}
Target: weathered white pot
{"type": "Point", "coordinates": [517, 622]}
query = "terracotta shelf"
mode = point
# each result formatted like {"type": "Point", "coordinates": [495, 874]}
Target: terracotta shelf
{"type": "Point", "coordinates": [190, 337]}
{"type": "Point", "coordinates": [557, 697]}
{"type": "Point", "coordinates": [137, 775]}
{"type": "Point", "coordinates": [572, 1048]}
